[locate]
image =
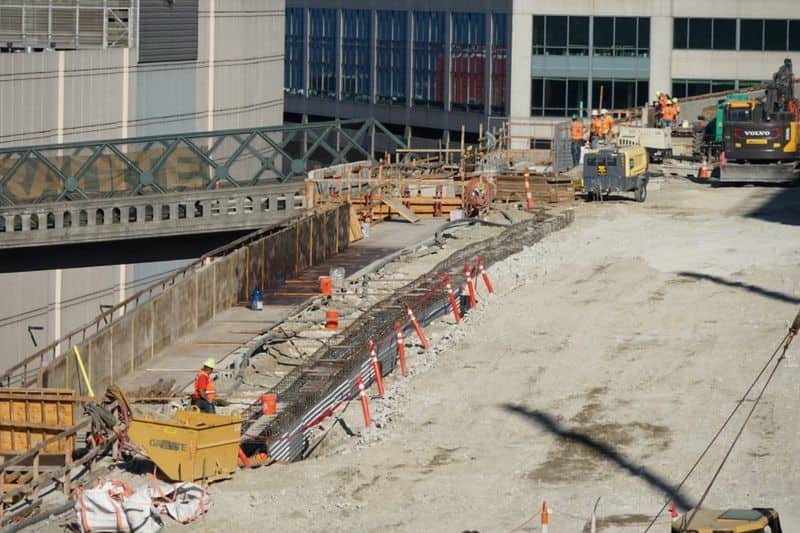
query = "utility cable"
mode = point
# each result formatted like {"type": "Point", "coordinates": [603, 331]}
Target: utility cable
{"type": "Point", "coordinates": [793, 329]}
{"type": "Point", "coordinates": [785, 339]}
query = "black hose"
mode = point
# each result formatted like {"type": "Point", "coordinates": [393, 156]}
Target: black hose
{"type": "Point", "coordinates": [465, 222]}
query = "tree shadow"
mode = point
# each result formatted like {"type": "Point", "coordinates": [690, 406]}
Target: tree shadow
{"type": "Point", "coordinates": [550, 424]}
{"type": "Point", "coordinates": [782, 208]}
{"type": "Point", "coordinates": [761, 291]}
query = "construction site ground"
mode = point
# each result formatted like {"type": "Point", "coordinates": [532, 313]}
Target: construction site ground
{"type": "Point", "coordinates": [611, 354]}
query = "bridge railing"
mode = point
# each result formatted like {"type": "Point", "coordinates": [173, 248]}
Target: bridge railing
{"type": "Point", "coordinates": [176, 163]}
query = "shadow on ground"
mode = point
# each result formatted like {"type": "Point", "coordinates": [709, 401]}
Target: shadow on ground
{"type": "Point", "coordinates": [601, 449]}
{"type": "Point", "coordinates": [761, 291]}
{"type": "Point", "coordinates": [782, 208]}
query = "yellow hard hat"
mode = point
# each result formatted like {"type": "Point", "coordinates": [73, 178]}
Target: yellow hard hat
{"type": "Point", "coordinates": [210, 363]}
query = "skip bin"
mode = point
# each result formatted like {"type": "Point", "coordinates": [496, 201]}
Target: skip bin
{"type": "Point", "coordinates": [191, 446]}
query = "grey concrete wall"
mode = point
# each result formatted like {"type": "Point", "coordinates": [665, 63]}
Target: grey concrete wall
{"type": "Point", "coordinates": [137, 336]}
{"type": "Point", "coordinates": [100, 94]}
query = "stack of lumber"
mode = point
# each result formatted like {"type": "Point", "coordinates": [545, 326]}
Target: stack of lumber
{"type": "Point", "coordinates": [545, 189]}
{"type": "Point", "coordinates": [421, 206]}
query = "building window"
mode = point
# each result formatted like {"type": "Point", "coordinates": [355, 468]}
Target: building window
{"type": "Point", "coordinates": [686, 88]}
{"type": "Point", "coordinates": [356, 56]}
{"type": "Point", "coordinates": [621, 36]}
{"type": "Point", "coordinates": [322, 53]}
{"type": "Point", "coordinates": [552, 97]}
{"type": "Point", "coordinates": [294, 62]}
{"type": "Point", "coordinates": [619, 94]}
{"type": "Point", "coordinates": [560, 35]}
{"type": "Point", "coordinates": [794, 35]}
{"type": "Point", "coordinates": [392, 53]}
{"type": "Point", "coordinates": [775, 35]}
{"type": "Point", "coordinates": [429, 67]}
{"type": "Point", "coordinates": [704, 34]}
{"type": "Point", "coordinates": [499, 62]}
{"type": "Point", "coordinates": [468, 61]}
{"type": "Point", "coordinates": [752, 35]}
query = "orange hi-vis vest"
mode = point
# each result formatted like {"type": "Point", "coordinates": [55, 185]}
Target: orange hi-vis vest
{"type": "Point", "coordinates": [210, 390]}
{"type": "Point", "coordinates": [577, 130]}
{"type": "Point", "coordinates": [668, 112]}
{"type": "Point", "coordinates": [597, 125]}
{"type": "Point", "coordinates": [608, 122]}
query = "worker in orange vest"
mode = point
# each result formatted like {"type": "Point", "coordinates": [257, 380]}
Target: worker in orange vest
{"type": "Point", "coordinates": [576, 134]}
{"type": "Point", "coordinates": [204, 391]}
{"type": "Point", "coordinates": [607, 124]}
{"type": "Point", "coordinates": [668, 116]}
{"type": "Point", "coordinates": [595, 128]}
{"type": "Point", "coordinates": [677, 110]}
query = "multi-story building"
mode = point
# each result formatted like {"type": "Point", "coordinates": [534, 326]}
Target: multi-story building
{"type": "Point", "coordinates": [433, 66]}
{"type": "Point", "coordinates": [78, 70]}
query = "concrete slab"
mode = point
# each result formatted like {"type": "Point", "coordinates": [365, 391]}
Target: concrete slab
{"type": "Point", "coordinates": [218, 338]}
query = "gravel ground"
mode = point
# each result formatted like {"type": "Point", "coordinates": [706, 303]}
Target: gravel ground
{"type": "Point", "coordinates": [611, 354]}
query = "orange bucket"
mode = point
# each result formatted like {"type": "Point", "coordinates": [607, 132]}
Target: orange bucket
{"type": "Point", "coordinates": [325, 285]}
{"type": "Point", "coordinates": [331, 319]}
{"type": "Point", "coordinates": [269, 402]}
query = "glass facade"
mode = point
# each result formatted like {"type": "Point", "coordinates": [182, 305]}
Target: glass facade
{"type": "Point", "coordinates": [684, 88]}
{"type": "Point", "coordinates": [499, 62]}
{"type": "Point", "coordinates": [429, 59]}
{"type": "Point", "coordinates": [356, 55]}
{"type": "Point", "coordinates": [621, 36]}
{"type": "Point", "coordinates": [558, 97]}
{"type": "Point", "coordinates": [760, 35]}
{"type": "Point", "coordinates": [322, 51]}
{"type": "Point", "coordinates": [392, 63]}
{"type": "Point", "coordinates": [468, 61]}
{"type": "Point", "coordinates": [619, 94]}
{"type": "Point", "coordinates": [294, 65]}
{"type": "Point", "coordinates": [555, 35]}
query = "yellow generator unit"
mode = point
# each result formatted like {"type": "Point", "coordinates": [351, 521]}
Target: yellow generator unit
{"type": "Point", "coordinates": [728, 521]}
{"type": "Point", "coordinates": [616, 169]}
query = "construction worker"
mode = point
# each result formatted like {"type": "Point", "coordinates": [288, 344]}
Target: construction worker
{"type": "Point", "coordinates": [677, 110]}
{"type": "Point", "coordinates": [595, 128]}
{"type": "Point", "coordinates": [607, 124]}
{"type": "Point", "coordinates": [667, 116]}
{"type": "Point", "coordinates": [576, 134]}
{"type": "Point", "coordinates": [204, 392]}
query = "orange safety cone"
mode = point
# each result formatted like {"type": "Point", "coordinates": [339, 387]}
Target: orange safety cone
{"type": "Point", "coordinates": [376, 366]}
{"type": "Point", "coordinates": [528, 196]}
{"type": "Point", "coordinates": [364, 402]}
{"type": "Point", "coordinates": [673, 511]}
{"type": "Point", "coordinates": [485, 277]}
{"type": "Point", "coordinates": [401, 348]}
{"type": "Point", "coordinates": [704, 173]}
{"type": "Point", "coordinates": [451, 295]}
{"type": "Point", "coordinates": [243, 459]}
{"type": "Point", "coordinates": [545, 517]}
{"type": "Point", "coordinates": [422, 338]}
{"type": "Point", "coordinates": [470, 286]}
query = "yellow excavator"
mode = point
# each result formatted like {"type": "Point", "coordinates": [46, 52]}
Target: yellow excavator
{"type": "Point", "coordinates": [758, 520]}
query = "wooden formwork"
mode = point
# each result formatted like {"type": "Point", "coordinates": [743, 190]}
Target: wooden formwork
{"type": "Point", "coordinates": [30, 416]}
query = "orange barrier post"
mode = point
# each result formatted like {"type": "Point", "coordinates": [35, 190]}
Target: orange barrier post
{"type": "Point", "coordinates": [470, 286]}
{"type": "Point", "coordinates": [422, 338]}
{"type": "Point", "coordinates": [451, 295]}
{"type": "Point", "coordinates": [364, 402]}
{"type": "Point", "coordinates": [485, 277]}
{"type": "Point", "coordinates": [269, 403]}
{"type": "Point", "coordinates": [673, 511]}
{"type": "Point", "coordinates": [243, 459]}
{"type": "Point", "coordinates": [528, 196]}
{"type": "Point", "coordinates": [545, 517]}
{"type": "Point", "coordinates": [401, 348]}
{"type": "Point", "coordinates": [376, 366]}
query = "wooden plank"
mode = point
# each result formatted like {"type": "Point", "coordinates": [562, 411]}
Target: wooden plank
{"type": "Point", "coordinates": [401, 210]}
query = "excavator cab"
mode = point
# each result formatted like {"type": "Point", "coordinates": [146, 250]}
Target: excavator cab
{"type": "Point", "coordinates": [757, 520]}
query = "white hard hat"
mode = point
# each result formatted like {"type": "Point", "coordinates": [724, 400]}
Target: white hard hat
{"type": "Point", "coordinates": [594, 112]}
{"type": "Point", "coordinates": [604, 111]}
{"type": "Point", "coordinates": [210, 363]}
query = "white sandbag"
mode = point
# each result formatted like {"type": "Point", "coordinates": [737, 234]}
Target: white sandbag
{"type": "Point", "coordinates": [142, 515]}
{"type": "Point", "coordinates": [187, 502]}
{"type": "Point", "coordinates": [99, 510]}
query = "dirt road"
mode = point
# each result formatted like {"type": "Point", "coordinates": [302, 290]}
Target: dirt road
{"type": "Point", "coordinates": [612, 353]}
